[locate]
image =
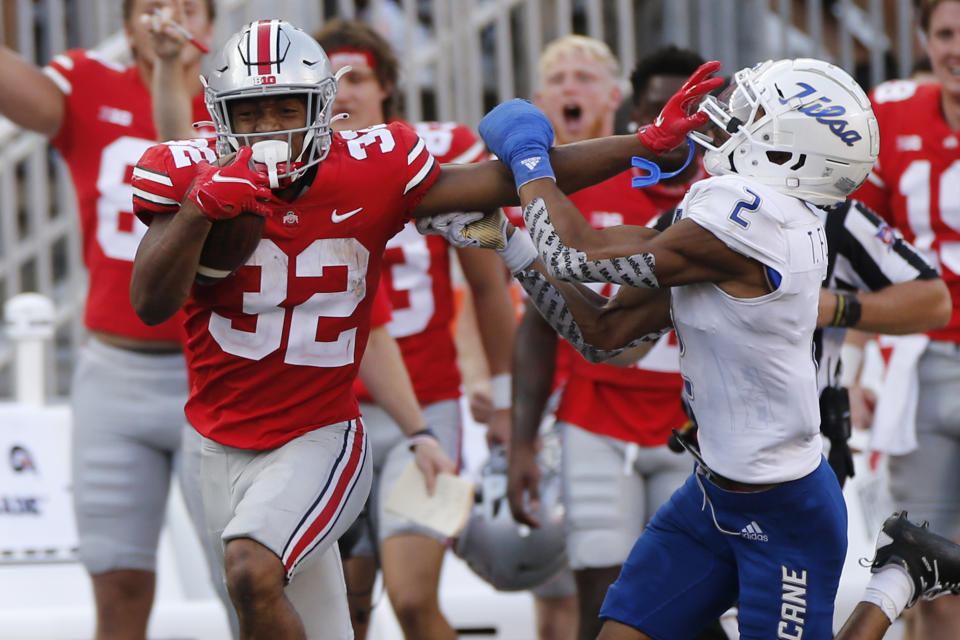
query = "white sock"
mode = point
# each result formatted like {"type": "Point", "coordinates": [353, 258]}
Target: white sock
{"type": "Point", "coordinates": [890, 590]}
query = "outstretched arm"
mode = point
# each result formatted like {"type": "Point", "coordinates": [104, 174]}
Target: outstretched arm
{"type": "Point", "coordinates": [630, 255]}
{"type": "Point", "coordinates": [522, 137]}
{"type": "Point", "coordinates": [485, 186]}
{"type": "Point", "coordinates": [27, 96]}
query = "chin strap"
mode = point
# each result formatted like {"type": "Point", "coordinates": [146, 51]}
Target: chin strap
{"type": "Point", "coordinates": [654, 173]}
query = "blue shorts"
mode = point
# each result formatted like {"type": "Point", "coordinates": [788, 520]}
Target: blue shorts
{"type": "Point", "coordinates": [780, 560]}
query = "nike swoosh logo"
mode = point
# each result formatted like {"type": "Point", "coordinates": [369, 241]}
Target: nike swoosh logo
{"type": "Point", "coordinates": [218, 177]}
{"type": "Point", "coordinates": [340, 217]}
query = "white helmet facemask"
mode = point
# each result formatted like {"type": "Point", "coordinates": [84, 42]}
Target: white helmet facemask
{"type": "Point", "coordinates": [803, 127]}
{"type": "Point", "coordinates": [272, 58]}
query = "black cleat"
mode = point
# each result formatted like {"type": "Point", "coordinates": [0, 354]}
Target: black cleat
{"type": "Point", "coordinates": [932, 561]}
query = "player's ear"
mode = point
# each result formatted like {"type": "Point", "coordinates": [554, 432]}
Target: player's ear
{"type": "Point", "coordinates": [538, 100]}
{"type": "Point", "coordinates": [616, 95]}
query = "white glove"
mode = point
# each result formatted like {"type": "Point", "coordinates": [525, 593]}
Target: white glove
{"type": "Point", "coordinates": [451, 227]}
{"type": "Point", "coordinates": [475, 229]}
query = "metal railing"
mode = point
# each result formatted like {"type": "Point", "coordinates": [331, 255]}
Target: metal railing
{"type": "Point", "coordinates": [459, 57]}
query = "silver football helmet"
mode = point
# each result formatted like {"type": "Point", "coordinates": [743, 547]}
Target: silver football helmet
{"type": "Point", "coordinates": [507, 555]}
{"type": "Point", "coordinates": [272, 57]}
{"type": "Point", "coordinates": [801, 126]}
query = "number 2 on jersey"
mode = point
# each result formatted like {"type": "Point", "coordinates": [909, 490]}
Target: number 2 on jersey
{"type": "Point", "coordinates": [744, 205]}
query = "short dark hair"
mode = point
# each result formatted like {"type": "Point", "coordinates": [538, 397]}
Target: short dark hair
{"type": "Point", "coordinates": [666, 61]}
{"type": "Point", "coordinates": [352, 34]}
{"type": "Point", "coordinates": [128, 9]}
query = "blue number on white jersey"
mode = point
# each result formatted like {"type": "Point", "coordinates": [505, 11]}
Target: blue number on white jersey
{"type": "Point", "coordinates": [744, 205]}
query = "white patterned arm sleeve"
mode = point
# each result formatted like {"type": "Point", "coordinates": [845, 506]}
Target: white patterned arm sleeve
{"type": "Point", "coordinates": [550, 303]}
{"type": "Point", "coordinates": [571, 265]}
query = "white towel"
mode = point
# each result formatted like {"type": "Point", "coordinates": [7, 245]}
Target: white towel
{"type": "Point", "coordinates": [894, 428]}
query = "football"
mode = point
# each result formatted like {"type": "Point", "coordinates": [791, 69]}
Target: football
{"type": "Point", "coordinates": [227, 247]}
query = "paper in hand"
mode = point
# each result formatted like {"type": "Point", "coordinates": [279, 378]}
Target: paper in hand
{"type": "Point", "coordinates": [446, 511]}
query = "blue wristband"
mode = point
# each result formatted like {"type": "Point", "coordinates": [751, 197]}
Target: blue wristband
{"type": "Point", "coordinates": [531, 165]}
{"type": "Point", "coordinates": [654, 174]}
{"type": "Point", "coordinates": [520, 135]}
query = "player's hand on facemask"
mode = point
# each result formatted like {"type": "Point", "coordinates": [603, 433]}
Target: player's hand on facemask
{"type": "Point", "coordinates": [521, 136]}
{"type": "Point", "coordinates": [224, 192]}
{"type": "Point", "coordinates": [431, 460]}
{"type": "Point", "coordinates": [675, 121]}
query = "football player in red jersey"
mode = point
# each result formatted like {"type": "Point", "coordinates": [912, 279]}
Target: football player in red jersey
{"type": "Point", "coordinates": [130, 382]}
{"type": "Point", "coordinates": [615, 420]}
{"type": "Point", "coordinates": [418, 278]}
{"type": "Point", "coordinates": [914, 186]}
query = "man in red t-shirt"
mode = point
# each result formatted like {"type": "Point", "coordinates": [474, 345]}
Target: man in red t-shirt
{"type": "Point", "coordinates": [418, 278]}
{"type": "Point", "coordinates": [914, 187]}
{"type": "Point", "coordinates": [130, 382]}
{"type": "Point", "coordinates": [615, 420]}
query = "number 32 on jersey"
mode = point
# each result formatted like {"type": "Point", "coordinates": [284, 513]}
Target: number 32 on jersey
{"type": "Point", "coordinates": [302, 348]}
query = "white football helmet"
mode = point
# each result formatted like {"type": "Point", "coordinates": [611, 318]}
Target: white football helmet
{"type": "Point", "coordinates": [272, 57]}
{"type": "Point", "coordinates": [801, 126]}
{"type": "Point", "coordinates": [507, 555]}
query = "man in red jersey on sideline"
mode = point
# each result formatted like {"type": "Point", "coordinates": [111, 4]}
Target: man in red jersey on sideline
{"type": "Point", "coordinates": [130, 382]}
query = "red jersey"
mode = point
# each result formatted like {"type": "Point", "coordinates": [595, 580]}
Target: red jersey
{"type": "Point", "coordinates": [915, 185]}
{"type": "Point", "coordinates": [107, 125]}
{"type": "Point", "coordinates": [381, 313]}
{"type": "Point", "coordinates": [274, 348]}
{"type": "Point", "coordinates": [417, 277]}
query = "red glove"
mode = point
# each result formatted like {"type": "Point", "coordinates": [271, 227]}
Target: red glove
{"type": "Point", "coordinates": [225, 192]}
{"type": "Point", "coordinates": [673, 124]}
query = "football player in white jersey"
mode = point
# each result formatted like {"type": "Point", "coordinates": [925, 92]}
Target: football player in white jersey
{"type": "Point", "coordinates": [762, 521]}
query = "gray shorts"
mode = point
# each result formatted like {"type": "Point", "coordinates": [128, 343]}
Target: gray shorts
{"type": "Point", "coordinates": [390, 456]}
{"type": "Point", "coordinates": [925, 482]}
{"type": "Point", "coordinates": [127, 424]}
{"type": "Point", "coordinates": [611, 490]}
{"type": "Point", "coordinates": [562, 584]}
{"type": "Point", "coordinates": [296, 500]}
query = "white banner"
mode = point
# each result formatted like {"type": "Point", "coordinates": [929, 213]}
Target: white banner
{"type": "Point", "coordinates": [36, 509]}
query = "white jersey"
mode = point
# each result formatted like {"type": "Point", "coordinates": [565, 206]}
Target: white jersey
{"type": "Point", "coordinates": [747, 363]}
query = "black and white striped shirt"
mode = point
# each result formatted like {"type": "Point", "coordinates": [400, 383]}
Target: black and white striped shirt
{"type": "Point", "coordinates": [863, 253]}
